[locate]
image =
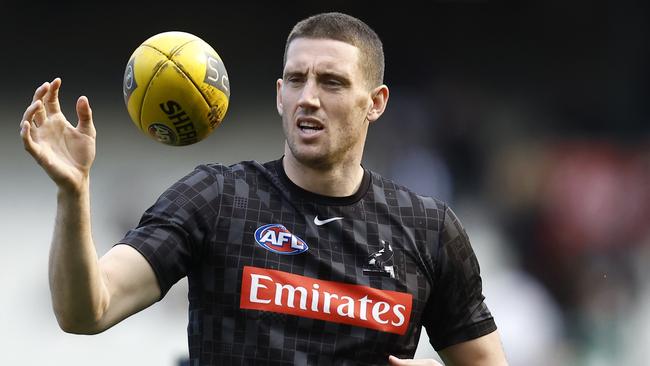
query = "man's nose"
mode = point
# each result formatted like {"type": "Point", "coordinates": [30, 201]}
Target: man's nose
{"type": "Point", "coordinates": [309, 98]}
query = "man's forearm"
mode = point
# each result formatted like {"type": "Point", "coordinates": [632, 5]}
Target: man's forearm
{"type": "Point", "coordinates": [79, 296]}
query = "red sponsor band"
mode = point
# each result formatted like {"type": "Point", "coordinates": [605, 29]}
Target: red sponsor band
{"type": "Point", "coordinates": [362, 306]}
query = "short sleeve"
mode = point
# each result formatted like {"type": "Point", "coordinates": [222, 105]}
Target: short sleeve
{"type": "Point", "coordinates": [456, 311]}
{"type": "Point", "coordinates": [171, 232]}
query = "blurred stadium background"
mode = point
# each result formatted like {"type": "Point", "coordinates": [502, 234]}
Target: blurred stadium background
{"type": "Point", "coordinates": [529, 118]}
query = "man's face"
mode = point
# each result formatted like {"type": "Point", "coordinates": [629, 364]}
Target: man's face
{"type": "Point", "coordinates": [324, 101]}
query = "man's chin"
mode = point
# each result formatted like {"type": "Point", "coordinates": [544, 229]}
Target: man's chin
{"type": "Point", "coordinates": [311, 158]}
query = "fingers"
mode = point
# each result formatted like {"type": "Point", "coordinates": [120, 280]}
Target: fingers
{"type": "Point", "coordinates": [51, 98]}
{"type": "Point", "coordinates": [40, 116]}
{"type": "Point", "coordinates": [48, 95]}
{"type": "Point", "coordinates": [26, 126]}
{"type": "Point", "coordinates": [35, 108]}
{"type": "Point", "coordinates": [28, 142]}
{"type": "Point", "coordinates": [85, 115]}
{"type": "Point", "coordinates": [40, 91]}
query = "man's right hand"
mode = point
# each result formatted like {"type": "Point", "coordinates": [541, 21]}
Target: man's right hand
{"type": "Point", "coordinates": [65, 152]}
{"type": "Point", "coordinates": [88, 295]}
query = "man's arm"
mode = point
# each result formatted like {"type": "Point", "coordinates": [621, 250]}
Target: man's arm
{"type": "Point", "coordinates": [88, 296]}
{"type": "Point", "coordinates": [482, 351]}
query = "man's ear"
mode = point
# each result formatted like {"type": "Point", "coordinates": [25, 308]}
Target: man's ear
{"type": "Point", "coordinates": [379, 97]}
{"type": "Point", "coordinates": [278, 96]}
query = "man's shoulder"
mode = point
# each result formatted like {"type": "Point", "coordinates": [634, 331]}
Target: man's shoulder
{"type": "Point", "coordinates": [240, 169]}
{"type": "Point", "coordinates": [400, 192]}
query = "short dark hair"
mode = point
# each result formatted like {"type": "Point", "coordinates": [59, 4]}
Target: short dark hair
{"type": "Point", "coordinates": [348, 29]}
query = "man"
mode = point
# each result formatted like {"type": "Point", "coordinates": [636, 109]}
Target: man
{"type": "Point", "coordinates": [309, 259]}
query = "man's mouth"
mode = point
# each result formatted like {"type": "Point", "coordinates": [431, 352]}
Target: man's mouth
{"type": "Point", "coordinates": [309, 125]}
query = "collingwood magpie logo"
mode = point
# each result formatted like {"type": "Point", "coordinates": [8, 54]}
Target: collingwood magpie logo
{"type": "Point", "coordinates": [381, 262]}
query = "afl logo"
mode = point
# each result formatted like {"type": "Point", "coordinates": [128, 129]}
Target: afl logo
{"type": "Point", "coordinates": [278, 239]}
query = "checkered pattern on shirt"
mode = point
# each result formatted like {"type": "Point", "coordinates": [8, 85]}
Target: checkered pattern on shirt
{"type": "Point", "coordinates": [203, 228]}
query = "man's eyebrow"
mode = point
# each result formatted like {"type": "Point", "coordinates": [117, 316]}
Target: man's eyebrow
{"type": "Point", "coordinates": [341, 77]}
{"type": "Point", "coordinates": [292, 73]}
{"type": "Point", "coordinates": [334, 74]}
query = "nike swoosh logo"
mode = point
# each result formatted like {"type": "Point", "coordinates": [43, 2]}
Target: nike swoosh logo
{"type": "Point", "coordinates": [323, 222]}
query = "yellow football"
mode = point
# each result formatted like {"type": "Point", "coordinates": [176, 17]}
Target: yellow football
{"type": "Point", "coordinates": [176, 88]}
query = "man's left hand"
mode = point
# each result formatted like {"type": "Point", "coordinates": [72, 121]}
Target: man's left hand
{"type": "Point", "coordinates": [394, 361]}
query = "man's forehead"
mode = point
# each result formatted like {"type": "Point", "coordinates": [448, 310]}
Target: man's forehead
{"type": "Point", "coordinates": [322, 66]}
{"type": "Point", "coordinates": [324, 53]}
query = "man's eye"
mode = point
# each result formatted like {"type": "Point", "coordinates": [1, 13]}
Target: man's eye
{"type": "Point", "coordinates": [294, 79]}
{"type": "Point", "coordinates": [333, 82]}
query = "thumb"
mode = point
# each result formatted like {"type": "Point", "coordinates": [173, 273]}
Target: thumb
{"type": "Point", "coordinates": [85, 115]}
{"type": "Point", "coordinates": [394, 361]}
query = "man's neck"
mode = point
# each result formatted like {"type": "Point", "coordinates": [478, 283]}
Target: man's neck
{"type": "Point", "coordinates": [338, 181]}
